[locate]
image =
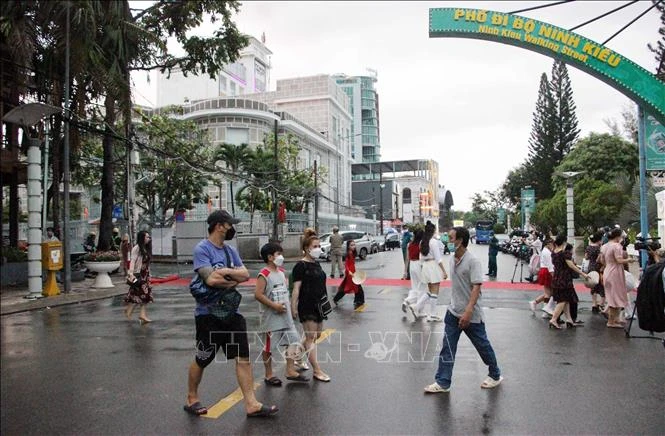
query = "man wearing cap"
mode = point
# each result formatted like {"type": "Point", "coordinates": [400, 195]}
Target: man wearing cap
{"type": "Point", "coordinates": [336, 242]}
{"type": "Point", "coordinates": [219, 266]}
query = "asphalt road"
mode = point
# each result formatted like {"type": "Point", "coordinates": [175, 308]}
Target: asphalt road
{"type": "Point", "coordinates": [86, 370]}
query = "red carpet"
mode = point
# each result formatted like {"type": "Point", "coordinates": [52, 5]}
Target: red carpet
{"type": "Point", "coordinates": [175, 280]}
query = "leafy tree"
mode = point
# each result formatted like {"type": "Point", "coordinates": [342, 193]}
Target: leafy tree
{"type": "Point", "coordinates": [517, 179]}
{"type": "Point", "coordinates": [174, 180]}
{"type": "Point", "coordinates": [658, 49]}
{"type": "Point", "coordinates": [550, 213]}
{"type": "Point", "coordinates": [566, 130]}
{"type": "Point", "coordinates": [542, 142]}
{"type": "Point", "coordinates": [603, 157]}
{"type": "Point", "coordinates": [113, 43]}
{"type": "Point", "coordinates": [235, 157]}
{"type": "Point", "coordinates": [486, 205]}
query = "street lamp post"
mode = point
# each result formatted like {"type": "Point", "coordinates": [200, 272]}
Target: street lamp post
{"type": "Point", "coordinates": [381, 186]}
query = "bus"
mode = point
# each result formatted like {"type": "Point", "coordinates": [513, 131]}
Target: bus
{"type": "Point", "coordinates": [484, 230]}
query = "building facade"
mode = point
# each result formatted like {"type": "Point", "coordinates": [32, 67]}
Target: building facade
{"type": "Point", "coordinates": [248, 75]}
{"type": "Point", "coordinates": [364, 109]}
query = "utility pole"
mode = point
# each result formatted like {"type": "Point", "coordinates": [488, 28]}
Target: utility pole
{"type": "Point", "coordinates": [274, 188]}
{"type": "Point", "coordinates": [381, 201]}
{"type": "Point", "coordinates": [66, 243]}
{"type": "Point", "coordinates": [316, 198]}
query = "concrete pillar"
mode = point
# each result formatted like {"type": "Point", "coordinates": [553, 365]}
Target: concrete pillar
{"type": "Point", "coordinates": [34, 219]}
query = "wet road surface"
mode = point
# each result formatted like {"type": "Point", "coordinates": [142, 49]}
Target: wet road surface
{"type": "Point", "coordinates": [86, 369]}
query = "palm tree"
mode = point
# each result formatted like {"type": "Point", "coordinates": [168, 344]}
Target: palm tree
{"type": "Point", "coordinates": [235, 157]}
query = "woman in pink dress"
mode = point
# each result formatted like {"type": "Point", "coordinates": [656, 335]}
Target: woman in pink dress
{"type": "Point", "coordinates": [614, 279]}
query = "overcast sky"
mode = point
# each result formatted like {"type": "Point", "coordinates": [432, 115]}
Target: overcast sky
{"type": "Point", "coordinates": [467, 104]}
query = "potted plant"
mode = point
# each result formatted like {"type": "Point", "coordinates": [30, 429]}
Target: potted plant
{"type": "Point", "coordinates": [102, 262]}
{"type": "Point", "coordinates": [14, 270]}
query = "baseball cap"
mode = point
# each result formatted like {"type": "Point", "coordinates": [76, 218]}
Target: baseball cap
{"type": "Point", "coordinates": [221, 216]}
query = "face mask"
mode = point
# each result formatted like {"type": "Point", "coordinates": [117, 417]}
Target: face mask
{"type": "Point", "coordinates": [315, 253]}
{"type": "Point", "coordinates": [230, 233]}
{"type": "Point", "coordinates": [279, 260]}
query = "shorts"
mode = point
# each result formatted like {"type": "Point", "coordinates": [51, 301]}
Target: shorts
{"type": "Point", "coordinates": [545, 277]}
{"type": "Point", "coordinates": [213, 334]}
{"type": "Point", "coordinates": [281, 338]}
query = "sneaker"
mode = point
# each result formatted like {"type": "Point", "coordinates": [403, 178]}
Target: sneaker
{"type": "Point", "coordinates": [548, 309]}
{"type": "Point", "coordinates": [547, 315]}
{"type": "Point", "coordinates": [404, 306]}
{"type": "Point", "coordinates": [490, 383]}
{"type": "Point", "coordinates": [532, 305]}
{"type": "Point", "coordinates": [411, 313]}
{"type": "Point", "coordinates": [435, 388]}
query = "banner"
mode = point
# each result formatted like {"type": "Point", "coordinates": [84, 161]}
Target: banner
{"type": "Point", "coordinates": [655, 144]}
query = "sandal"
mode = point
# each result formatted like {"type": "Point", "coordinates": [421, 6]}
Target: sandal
{"type": "Point", "coordinates": [264, 411]}
{"type": "Point", "coordinates": [195, 409]}
{"type": "Point", "coordinates": [298, 378]}
{"type": "Point", "coordinates": [272, 381]}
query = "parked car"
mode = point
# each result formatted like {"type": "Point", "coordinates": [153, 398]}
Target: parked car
{"type": "Point", "coordinates": [380, 242]}
{"type": "Point", "coordinates": [363, 244]}
{"type": "Point", "coordinates": [392, 241]}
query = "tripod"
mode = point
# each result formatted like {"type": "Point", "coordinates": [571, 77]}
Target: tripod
{"type": "Point", "coordinates": [630, 324]}
{"type": "Point", "coordinates": [521, 263]}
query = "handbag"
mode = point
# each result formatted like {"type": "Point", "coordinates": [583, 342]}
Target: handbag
{"type": "Point", "coordinates": [324, 306]}
{"type": "Point", "coordinates": [221, 303]}
{"type": "Point", "coordinates": [136, 283]}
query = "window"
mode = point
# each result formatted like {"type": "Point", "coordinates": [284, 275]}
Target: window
{"type": "Point", "coordinates": [406, 196]}
{"type": "Point", "coordinates": [232, 89]}
{"type": "Point", "coordinates": [237, 136]}
{"type": "Point", "coordinates": [222, 85]}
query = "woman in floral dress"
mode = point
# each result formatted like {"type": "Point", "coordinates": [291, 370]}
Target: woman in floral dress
{"type": "Point", "coordinates": [139, 272]}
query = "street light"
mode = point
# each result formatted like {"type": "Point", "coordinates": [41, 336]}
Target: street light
{"type": "Point", "coordinates": [569, 176]}
{"type": "Point", "coordinates": [381, 186]}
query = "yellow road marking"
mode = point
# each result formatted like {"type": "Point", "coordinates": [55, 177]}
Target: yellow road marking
{"type": "Point", "coordinates": [361, 308]}
{"type": "Point", "coordinates": [226, 403]}
{"type": "Point", "coordinates": [236, 396]}
{"type": "Point", "coordinates": [324, 335]}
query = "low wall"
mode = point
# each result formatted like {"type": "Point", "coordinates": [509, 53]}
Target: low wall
{"type": "Point", "coordinates": [14, 273]}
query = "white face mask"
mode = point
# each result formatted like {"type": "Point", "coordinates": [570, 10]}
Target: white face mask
{"type": "Point", "coordinates": [315, 253]}
{"type": "Point", "coordinates": [279, 260]}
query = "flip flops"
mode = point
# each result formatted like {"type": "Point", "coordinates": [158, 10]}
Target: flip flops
{"type": "Point", "coordinates": [195, 409]}
{"type": "Point", "coordinates": [273, 381]}
{"type": "Point", "coordinates": [264, 411]}
{"type": "Point", "coordinates": [298, 378]}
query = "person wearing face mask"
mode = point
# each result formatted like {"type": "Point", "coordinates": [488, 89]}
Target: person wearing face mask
{"type": "Point", "coordinates": [218, 265]}
{"type": "Point", "coordinates": [309, 286]}
{"type": "Point", "coordinates": [276, 321]}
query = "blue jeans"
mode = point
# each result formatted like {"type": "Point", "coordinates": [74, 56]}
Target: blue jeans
{"type": "Point", "coordinates": [476, 333]}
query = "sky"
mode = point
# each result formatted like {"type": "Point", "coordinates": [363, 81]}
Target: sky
{"type": "Point", "coordinates": [467, 104]}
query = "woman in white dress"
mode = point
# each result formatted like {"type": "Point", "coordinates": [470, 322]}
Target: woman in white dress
{"type": "Point", "coordinates": [432, 272]}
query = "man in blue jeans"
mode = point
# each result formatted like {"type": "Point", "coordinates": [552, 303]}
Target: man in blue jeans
{"type": "Point", "coordinates": [464, 315]}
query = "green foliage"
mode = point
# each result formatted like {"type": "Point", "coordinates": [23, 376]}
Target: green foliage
{"type": "Point", "coordinates": [14, 255]}
{"type": "Point", "coordinates": [486, 205]}
{"type": "Point", "coordinates": [596, 204]}
{"type": "Point", "coordinates": [550, 214]}
{"type": "Point", "coordinates": [499, 228]}
{"type": "Point", "coordinates": [603, 157]}
{"type": "Point", "coordinates": [517, 179]}
{"type": "Point", "coordinates": [171, 166]}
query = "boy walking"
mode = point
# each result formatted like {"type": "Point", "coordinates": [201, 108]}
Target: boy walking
{"type": "Point", "coordinates": [276, 320]}
{"type": "Point", "coordinates": [464, 315]}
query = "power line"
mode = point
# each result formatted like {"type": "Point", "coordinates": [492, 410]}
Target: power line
{"type": "Point", "coordinates": [631, 22]}
{"type": "Point", "coordinates": [540, 7]}
{"type": "Point", "coordinates": [603, 16]}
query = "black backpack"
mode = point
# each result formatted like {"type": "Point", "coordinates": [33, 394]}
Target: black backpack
{"type": "Point", "coordinates": [651, 299]}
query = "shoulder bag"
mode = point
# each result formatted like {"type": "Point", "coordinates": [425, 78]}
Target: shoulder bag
{"type": "Point", "coordinates": [228, 301]}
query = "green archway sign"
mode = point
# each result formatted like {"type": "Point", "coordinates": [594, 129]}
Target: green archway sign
{"type": "Point", "coordinates": [589, 56]}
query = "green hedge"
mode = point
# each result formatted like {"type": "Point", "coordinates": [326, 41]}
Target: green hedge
{"type": "Point", "coordinates": [13, 255]}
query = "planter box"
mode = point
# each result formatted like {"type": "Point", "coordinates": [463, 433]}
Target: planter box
{"type": "Point", "coordinates": [14, 273]}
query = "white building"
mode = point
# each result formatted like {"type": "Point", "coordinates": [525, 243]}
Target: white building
{"type": "Point", "coordinates": [248, 75]}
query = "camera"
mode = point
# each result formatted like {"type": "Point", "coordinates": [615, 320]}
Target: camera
{"type": "Point", "coordinates": [651, 244]}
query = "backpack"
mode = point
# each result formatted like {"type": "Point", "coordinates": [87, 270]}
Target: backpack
{"type": "Point", "coordinates": [650, 300]}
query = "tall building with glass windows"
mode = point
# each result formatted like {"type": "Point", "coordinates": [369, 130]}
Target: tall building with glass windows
{"type": "Point", "coordinates": [364, 107]}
